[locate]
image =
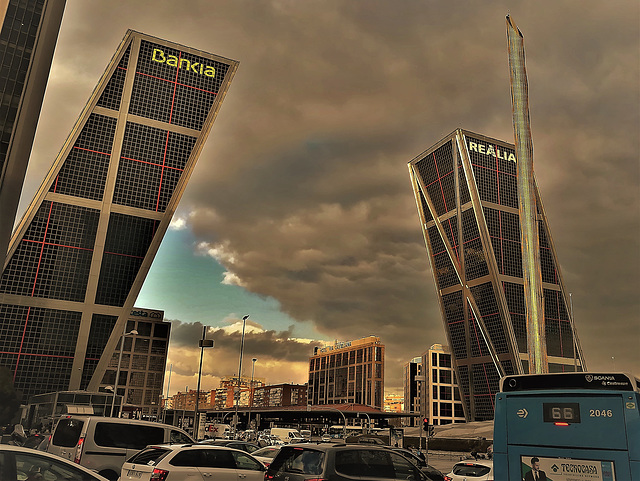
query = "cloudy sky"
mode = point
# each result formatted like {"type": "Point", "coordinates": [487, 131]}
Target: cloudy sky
{"type": "Point", "coordinates": [300, 211]}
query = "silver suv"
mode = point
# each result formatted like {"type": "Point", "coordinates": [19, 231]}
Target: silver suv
{"type": "Point", "coordinates": [341, 462]}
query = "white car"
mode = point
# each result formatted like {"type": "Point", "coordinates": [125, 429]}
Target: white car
{"type": "Point", "coordinates": [196, 462]}
{"type": "Point", "coordinates": [265, 455]}
{"type": "Point", "coordinates": [18, 462]}
{"type": "Point", "coordinates": [471, 470]}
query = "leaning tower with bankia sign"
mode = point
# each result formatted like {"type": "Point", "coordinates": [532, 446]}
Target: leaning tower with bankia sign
{"type": "Point", "coordinates": [466, 193]}
{"type": "Point", "coordinates": [79, 256]}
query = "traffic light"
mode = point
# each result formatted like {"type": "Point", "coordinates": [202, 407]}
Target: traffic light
{"type": "Point", "coordinates": [431, 431]}
{"type": "Point", "coordinates": [425, 424]}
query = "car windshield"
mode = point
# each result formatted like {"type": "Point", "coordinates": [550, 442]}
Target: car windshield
{"type": "Point", "coordinates": [470, 469]}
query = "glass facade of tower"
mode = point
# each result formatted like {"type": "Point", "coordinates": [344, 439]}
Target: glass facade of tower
{"type": "Point", "coordinates": [90, 235]}
{"type": "Point", "coordinates": [28, 34]}
{"type": "Point", "coordinates": [466, 193]}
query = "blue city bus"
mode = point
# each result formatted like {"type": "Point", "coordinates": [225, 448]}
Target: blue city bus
{"type": "Point", "coordinates": [567, 427]}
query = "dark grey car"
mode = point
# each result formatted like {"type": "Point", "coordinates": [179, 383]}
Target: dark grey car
{"type": "Point", "coordinates": [341, 462]}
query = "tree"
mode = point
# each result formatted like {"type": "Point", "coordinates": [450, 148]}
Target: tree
{"type": "Point", "coordinates": [9, 401]}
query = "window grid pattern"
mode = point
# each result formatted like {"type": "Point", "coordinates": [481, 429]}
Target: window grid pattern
{"type": "Point", "coordinates": [514, 295]}
{"type": "Point", "coordinates": [504, 229]}
{"type": "Point", "coordinates": [180, 96]}
{"type": "Point", "coordinates": [17, 37]}
{"type": "Point", "coordinates": [151, 164]}
{"type": "Point", "coordinates": [54, 256]}
{"type": "Point", "coordinates": [88, 369]}
{"type": "Point", "coordinates": [425, 208]}
{"type": "Point", "coordinates": [437, 173]}
{"type": "Point", "coordinates": [547, 264]}
{"type": "Point", "coordinates": [478, 345]}
{"type": "Point", "coordinates": [84, 171]}
{"type": "Point", "coordinates": [127, 241]}
{"type": "Point", "coordinates": [485, 386]}
{"type": "Point", "coordinates": [112, 94]}
{"type": "Point", "coordinates": [487, 303]}
{"type": "Point", "coordinates": [557, 325]}
{"type": "Point", "coordinates": [444, 270]}
{"type": "Point", "coordinates": [495, 178]}
{"type": "Point", "coordinates": [475, 262]}
{"type": "Point", "coordinates": [38, 340]}
{"type": "Point", "coordinates": [101, 327]}
{"type": "Point", "coordinates": [465, 196]}
{"type": "Point", "coordinates": [463, 385]}
{"type": "Point", "coordinates": [454, 317]}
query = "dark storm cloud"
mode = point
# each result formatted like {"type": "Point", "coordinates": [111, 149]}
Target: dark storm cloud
{"type": "Point", "coordinates": [278, 345]}
{"type": "Point", "coordinates": [303, 188]}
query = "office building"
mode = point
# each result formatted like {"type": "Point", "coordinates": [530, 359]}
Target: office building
{"type": "Point", "coordinates": [223, 397]}
{"type": "Point", "coordinates": [142, 359]}
{"type": "Point", "coordinates": [411, 379]}
{"type": "Point", "coordinates": [280, 395]}
{"type": "Point", "coordinates": [441, 396]}
{"type": "Point", "coordinates": [348, 372]}
{"type": "Point", "coordinates": [27, 42]}
{"type": "Point", "coordinates": [187, 400]}
{"type": "Point", "coordinates": [83, 248]}
{"type": "Point", "coordinates": [466, 193]}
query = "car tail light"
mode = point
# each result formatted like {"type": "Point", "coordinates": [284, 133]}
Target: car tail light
{"type": "Point", "coordinates": [316, 479]}
{"type": "Point", "coordinates": [447, 478]}
{"type": "Point", "coordinates": [79, 447]}
{"type": "Point", "coordinates": [267, 476]}
{"type": "Point", "coordinates": [159, 475]}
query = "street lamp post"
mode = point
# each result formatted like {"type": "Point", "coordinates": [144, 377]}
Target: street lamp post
{"type": "Point", "coordinates": [253, 368]}
{"type": "Point", "coordinates": [236, 393]}
{"type": "Point", "coordinates": [115, 389]}
{"type": "Point", "coordinates": [202, 343]}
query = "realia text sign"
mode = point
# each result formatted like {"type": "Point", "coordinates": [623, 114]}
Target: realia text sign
{"type": "Point", "coordinates": [491, 150]}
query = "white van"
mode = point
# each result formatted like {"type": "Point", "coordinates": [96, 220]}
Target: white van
{"type": "Point", "coordinates": [287, 435]}
{"type": "Point", "coordinates": [103, 444]}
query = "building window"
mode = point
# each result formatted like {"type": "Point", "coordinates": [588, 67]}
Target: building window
{"type": "Point", "coordinates": [445, 360]}
{"type": "Point", "coordinates": [445, 377]}
{"type": "Point", "coordinates": [434, 375]}
{"type": "Point", "coordinates": [445, 392]}
{"type": "Point", "coordinates": [434, 394]}
{"type": "Point", "coordinates": [446, 410]}
{"type": "Point", "coordinates": [434, 410]}
{"type": "Point", "coordinates": [434, 359]}
{"type": "Point", "coordinates": [458, 410]}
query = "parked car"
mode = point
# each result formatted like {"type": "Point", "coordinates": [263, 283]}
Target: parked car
{"type": "Point", "coordinates": [471, 470]}
{"type": "Point", "coordinates": [103, 444]}
{"type": "Point", "coordinates": [340, 462]}
{"type": "Point", "coordinates": [265, 455]}
{"type": "Point", "coordinates": [326, 438]}
{"type": "Point", "coordinates": [177, 462]}
{"type": "Point", "coordinates": [268, 440]}
{"type": "Point", "coordinates": [22, 463]}
{"type": "Point", "coordinates": [431, 472]}
{"type": "Point", "coordinates": [232, 443]}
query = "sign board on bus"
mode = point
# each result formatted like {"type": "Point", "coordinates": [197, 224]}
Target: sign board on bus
{"type": "Point", "coordinates": [565, 469]}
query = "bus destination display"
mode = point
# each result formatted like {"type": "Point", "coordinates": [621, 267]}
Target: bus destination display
{"type": "Point", "coordinates": [561, 412]}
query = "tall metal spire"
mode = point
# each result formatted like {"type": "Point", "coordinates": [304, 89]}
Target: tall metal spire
{"type": "Point", "coordinates": [531, 270]}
